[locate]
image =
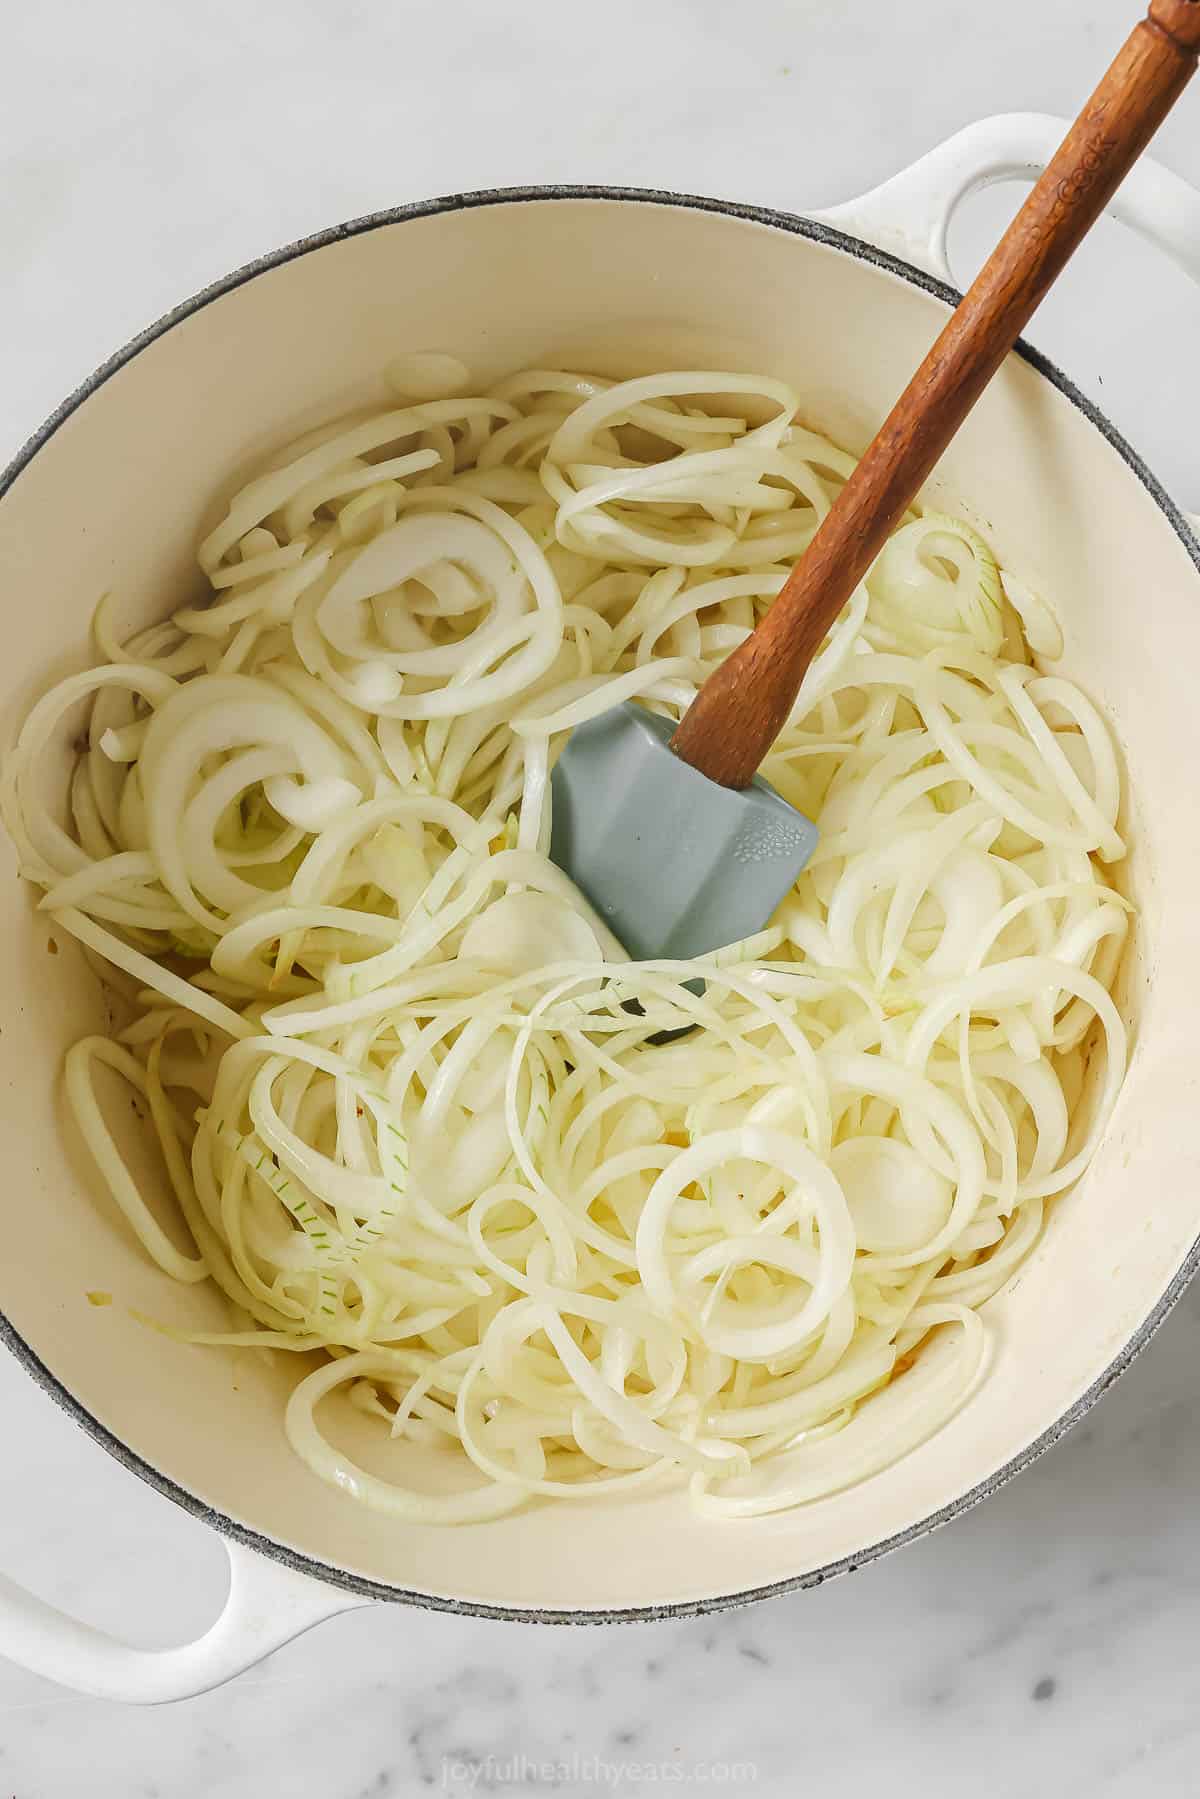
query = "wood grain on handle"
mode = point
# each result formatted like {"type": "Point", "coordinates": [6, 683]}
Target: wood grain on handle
{"type": "Point", "coordinates": [744, 704]}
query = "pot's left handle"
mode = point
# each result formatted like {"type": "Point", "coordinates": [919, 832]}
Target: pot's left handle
{"type": "Point", "coordinates": [267, 1606]}
{"type": "Point", "coordinates": [910, 214]}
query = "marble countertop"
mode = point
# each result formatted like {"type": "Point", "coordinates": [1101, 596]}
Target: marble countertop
{"type": "Point", "coordinates": [1045, 1643]}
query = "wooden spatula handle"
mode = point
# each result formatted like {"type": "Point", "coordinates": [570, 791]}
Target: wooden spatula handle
{"type": "Point", "coordinates": [743, 705]}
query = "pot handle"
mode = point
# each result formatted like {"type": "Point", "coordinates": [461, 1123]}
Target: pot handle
{"type": "Point", "coordinates": [267, 1605]}
{"type": "Point", "coordinates": [910, 215]}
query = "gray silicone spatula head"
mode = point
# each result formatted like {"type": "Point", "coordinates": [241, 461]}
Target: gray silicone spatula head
{"type": "Point", "coordinates": [674, 864]}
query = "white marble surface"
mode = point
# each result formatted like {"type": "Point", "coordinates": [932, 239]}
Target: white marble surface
{"type": "Point", "coordinates": [1046, 1643]}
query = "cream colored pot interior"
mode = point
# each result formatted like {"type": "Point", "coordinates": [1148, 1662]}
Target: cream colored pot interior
{"type": "Point", "coordinates": [116, 499]}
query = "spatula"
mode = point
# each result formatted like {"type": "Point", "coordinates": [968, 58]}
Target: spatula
{"type": "Point", "coordinates": [676, 841]}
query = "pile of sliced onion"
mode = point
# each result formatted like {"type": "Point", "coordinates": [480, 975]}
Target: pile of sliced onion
{"type": "Point", "coordinates": [406, 1111]}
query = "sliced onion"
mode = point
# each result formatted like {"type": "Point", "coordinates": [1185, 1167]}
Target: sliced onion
{"type": "Point", "coordinates": [446, 1131]}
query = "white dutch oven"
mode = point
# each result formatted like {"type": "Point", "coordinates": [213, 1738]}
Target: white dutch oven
{"type": "Point", "coordinates": [113, 493]}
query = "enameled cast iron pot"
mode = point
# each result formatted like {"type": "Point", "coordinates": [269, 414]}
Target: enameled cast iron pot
{"type": "Point", "coordinates": [114, 491]}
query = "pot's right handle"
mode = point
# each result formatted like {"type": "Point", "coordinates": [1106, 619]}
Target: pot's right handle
{"type": "Point", "coordinates": [910, 214]}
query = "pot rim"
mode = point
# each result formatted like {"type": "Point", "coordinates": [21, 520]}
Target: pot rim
{"type": "Point", "coordinates": [369, 1588]}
